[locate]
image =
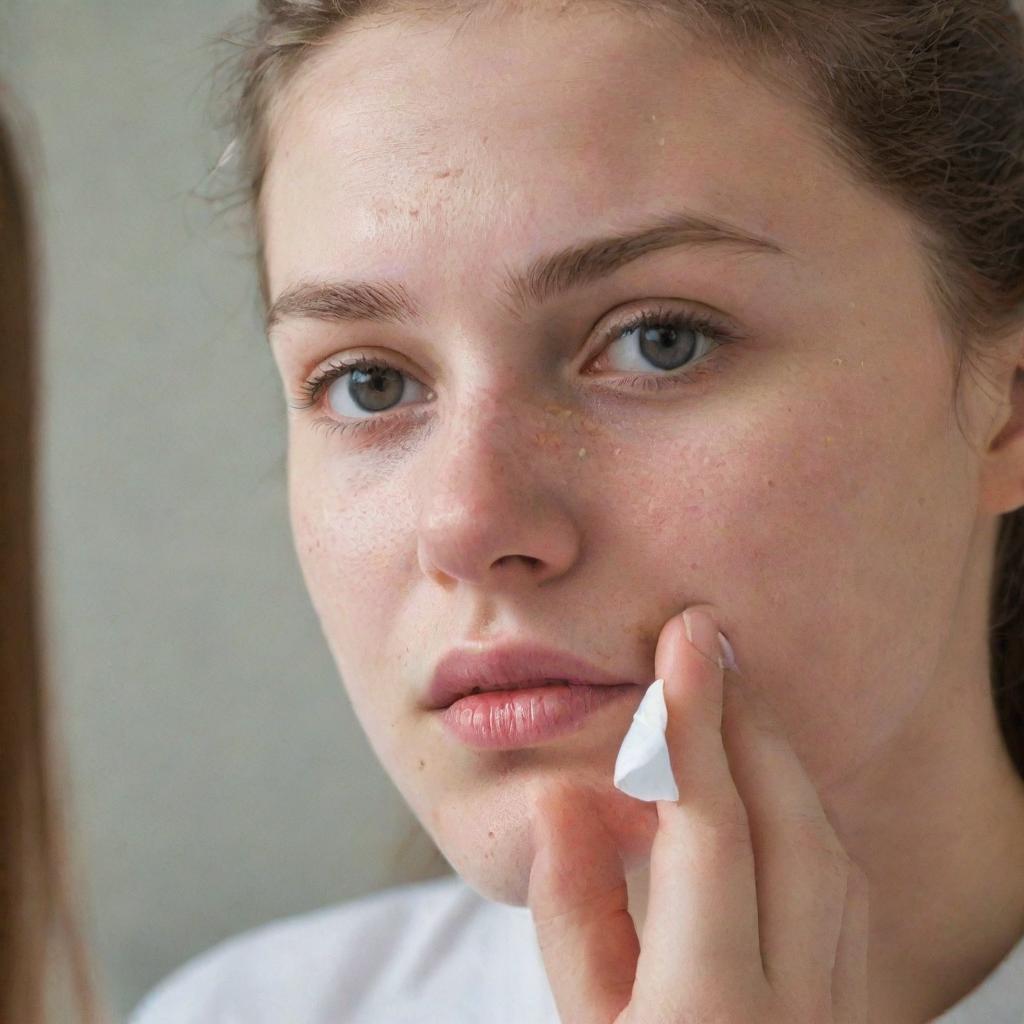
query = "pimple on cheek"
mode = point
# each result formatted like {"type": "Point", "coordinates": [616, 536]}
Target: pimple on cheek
{"type": "Point", "coordinates": [551, 442]}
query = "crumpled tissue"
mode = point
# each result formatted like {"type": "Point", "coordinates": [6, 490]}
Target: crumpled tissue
{"type": "Point", "coordinates": [642, 768]}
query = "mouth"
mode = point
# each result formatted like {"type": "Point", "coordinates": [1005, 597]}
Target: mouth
{"type": "Point", "coordinates": [536, 712]}
{"type": "Point", "coordinates": [509, 688]}
{"type": "Point", "coordinates": [472, 672]}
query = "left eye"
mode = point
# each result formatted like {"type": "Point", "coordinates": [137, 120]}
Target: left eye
{"type": "Point", "coordinates": [668, 340]}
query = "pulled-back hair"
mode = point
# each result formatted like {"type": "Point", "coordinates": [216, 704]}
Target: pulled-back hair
{"type": "Point", "coordinates": [922, 101]}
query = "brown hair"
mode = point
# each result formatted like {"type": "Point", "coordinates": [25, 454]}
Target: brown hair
{"type": "Point", "coordinates": [923, 101]}
{"type": "Point", "coordinates": [35, 905]}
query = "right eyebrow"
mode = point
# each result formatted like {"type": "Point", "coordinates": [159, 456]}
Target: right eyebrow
{"type": "Point", "coordinates": [544, 277]}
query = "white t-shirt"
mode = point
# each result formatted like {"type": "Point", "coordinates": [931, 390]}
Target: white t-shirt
{"type": "Point", "coordinates": [418, 954]}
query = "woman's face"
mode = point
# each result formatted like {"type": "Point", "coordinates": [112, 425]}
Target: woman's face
{"type": "Point", "coordinates": [535, 470]}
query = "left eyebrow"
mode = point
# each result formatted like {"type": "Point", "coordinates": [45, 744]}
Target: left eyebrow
{"type": "Point", "coordinates": [545, 277]}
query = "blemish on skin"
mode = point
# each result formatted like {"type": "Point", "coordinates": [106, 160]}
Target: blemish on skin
{"type": "Point", "coordinates": [558, 410]}
{"type": "Point", "coordinates": [618, 451]}
{"type": "Point", "coordinates": [828, 439]}
{"type": "Point", "coordinates": [490, 835]}
{"type": "Point", "coordinates": [423, 764]}
{"type": "Point", "coordinates": [648, 637]}
{"type": "Point", "coordinates": [448, 173]}
{"type": "Point", "coordinates": [771, 483]}
{"type": "Point", "coordinates": [839, 362]}
{"type": "Point", "coordinates": [583, 453]}
{"type": "Point", "coordinates": [661, 141]}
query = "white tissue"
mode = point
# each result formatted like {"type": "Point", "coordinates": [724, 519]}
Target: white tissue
{"type": "Point", "coordinates": [642, 769]}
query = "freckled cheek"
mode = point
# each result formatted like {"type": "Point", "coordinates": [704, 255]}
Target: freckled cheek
{"type": "Point", "coordinates": [349, 542]}
{"type": "Point", "coordinates": [778, 533]}
{"type": "Point", "coordinates": [748, 506]}
{"type": "Point", "coordinates": [347, 549]}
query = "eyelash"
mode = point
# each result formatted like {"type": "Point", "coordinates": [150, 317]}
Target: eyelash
{"type": "Point", "coordinates": [313, 388]}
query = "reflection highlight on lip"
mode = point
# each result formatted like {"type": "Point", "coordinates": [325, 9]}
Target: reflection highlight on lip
{"type": "Point", "coordinates": [506, 719]}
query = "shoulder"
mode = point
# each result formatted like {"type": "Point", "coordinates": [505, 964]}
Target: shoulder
{"type": "Point", "coordinates": [331, 965]}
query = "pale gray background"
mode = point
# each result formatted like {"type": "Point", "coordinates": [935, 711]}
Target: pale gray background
{"type": "Point", "coordinates": [211, 746]}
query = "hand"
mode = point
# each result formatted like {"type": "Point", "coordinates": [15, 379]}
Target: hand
{"type": "Point", "coordinates": [756, 914]}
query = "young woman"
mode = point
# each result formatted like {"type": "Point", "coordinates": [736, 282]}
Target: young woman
{"type": "Point", "coordinates": [38, 923]}
{"type": "Point", "coordinates": [589, 315]}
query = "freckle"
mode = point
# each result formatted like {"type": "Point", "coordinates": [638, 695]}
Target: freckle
{"type": "Point", "coordinates": [558, 410]}
{"type": "Point", "coordinates": [490, 835]}
{"type": "Point", "coordinates": [583, 453]}
{"type": "Point", "coordinates": [423, 764]}
{"type": "Point", "coordinates": [414, 213]}
{"type": "Point", "coordinates": [771, 483]}
{"type": "Point", "coordinates": [828, 439]}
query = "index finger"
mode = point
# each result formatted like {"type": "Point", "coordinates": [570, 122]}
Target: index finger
{"type": "Point", "coordinates": [702, 919]}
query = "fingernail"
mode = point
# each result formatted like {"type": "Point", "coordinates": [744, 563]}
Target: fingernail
{"type": "Point", "coordinates": [702, 632]}
{"type": "Point", "coordinates": [728, 658]}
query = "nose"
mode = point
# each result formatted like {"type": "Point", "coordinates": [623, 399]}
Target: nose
{"type": "Point", "coordinates": [497, 508]}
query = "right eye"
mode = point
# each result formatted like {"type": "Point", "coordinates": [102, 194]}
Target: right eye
{"type": "Point", "coordinates": [360, 388]}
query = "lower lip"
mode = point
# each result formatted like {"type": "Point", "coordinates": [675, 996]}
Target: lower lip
{"type": "Point", "coordinates": [505, 719]}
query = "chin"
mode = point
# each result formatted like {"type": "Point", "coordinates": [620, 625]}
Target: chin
{"type": "Point", "coordinates": [489, 842]}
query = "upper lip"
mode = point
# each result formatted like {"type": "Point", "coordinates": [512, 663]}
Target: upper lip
{"type": "Point", "coordinates": [511, 666]}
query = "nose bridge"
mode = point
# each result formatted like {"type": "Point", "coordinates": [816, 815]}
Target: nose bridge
{"type": "Point", "coordinates": [488, 443]}
{"type": "Point", "coordinates": [494, 488]}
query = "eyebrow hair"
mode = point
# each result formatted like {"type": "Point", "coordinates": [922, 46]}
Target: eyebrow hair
{"type": "Point", "coordinates": [543, 278]}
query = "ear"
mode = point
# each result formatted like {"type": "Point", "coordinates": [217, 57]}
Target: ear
{"type": "Point", "coordinates": [1002, 470]}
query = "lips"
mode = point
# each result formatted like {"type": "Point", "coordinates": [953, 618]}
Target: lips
{"type": "Point", "coordinates": [511, 666]}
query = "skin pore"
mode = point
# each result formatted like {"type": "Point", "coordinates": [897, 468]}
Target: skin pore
{"type": "Point", "coordinates": [809, 478]}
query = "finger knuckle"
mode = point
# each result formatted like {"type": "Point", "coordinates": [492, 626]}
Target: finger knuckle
{"type": "Point", "coordinates": [814, 834]}
{"type": "Point", "coordinates": [857, 885]}
{"type": "Point", "coordinates": [724, 827]}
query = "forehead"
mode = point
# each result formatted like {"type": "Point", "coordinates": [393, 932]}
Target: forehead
{"type": "Point", "coordinates": [464, 141]}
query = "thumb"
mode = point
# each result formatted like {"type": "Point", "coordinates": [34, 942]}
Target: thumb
{"type": "Point", "coordinates": [578, 898]}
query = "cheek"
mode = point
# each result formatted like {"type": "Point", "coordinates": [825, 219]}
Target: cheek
{"type": "Point", "coordinates": [830, 531]}
{"type": "Point", "coordinates": [350, 530]}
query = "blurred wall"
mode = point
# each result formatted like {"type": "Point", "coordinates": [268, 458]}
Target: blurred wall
{"type": "Point", "coordinates": [211, 746]}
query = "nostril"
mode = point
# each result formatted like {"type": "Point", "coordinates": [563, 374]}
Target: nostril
{"type": "Point", "coordinates": [528, 559]}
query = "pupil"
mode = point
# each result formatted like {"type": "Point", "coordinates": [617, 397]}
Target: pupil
{"type": "Point", "coordinates": [656, 344]}
{"type": "Point", "coordinates": [381, 388]}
